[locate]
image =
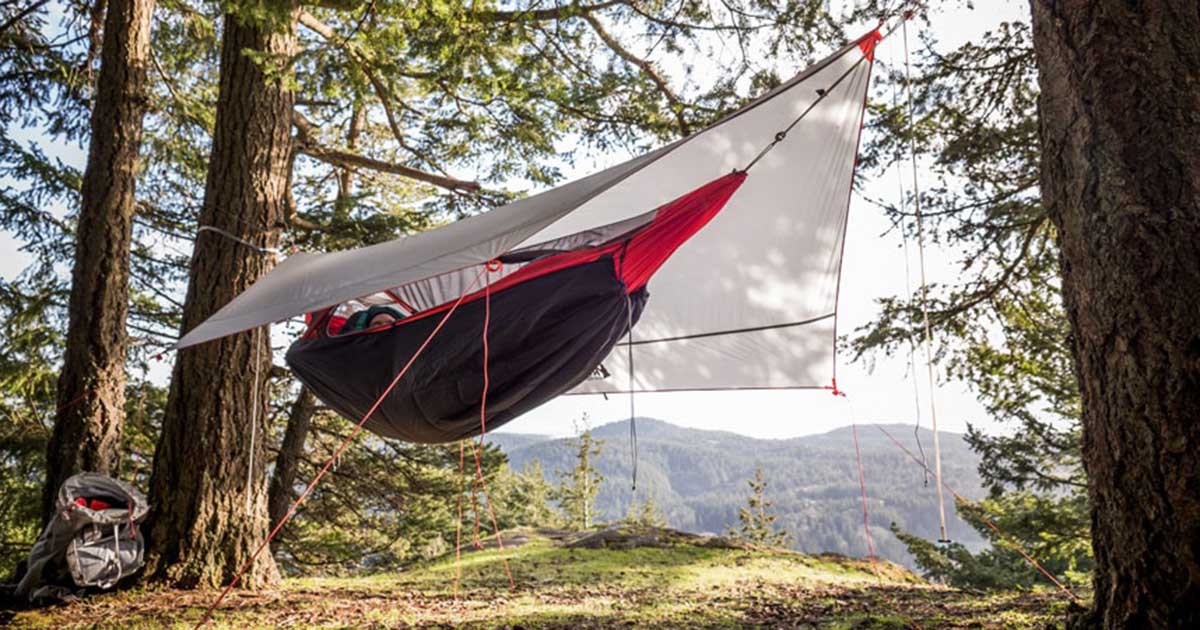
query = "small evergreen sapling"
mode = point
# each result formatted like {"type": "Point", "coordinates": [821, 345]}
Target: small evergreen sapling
{"type": "Point", "coordinates": [645, 514]}
{"type": "Point", "coordinates": [757, 519]}
{"type": "Point", "coordinates": [576, 493]}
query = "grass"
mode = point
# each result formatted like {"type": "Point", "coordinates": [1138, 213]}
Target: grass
{"type": "Point", "coordinates": [677, 584]}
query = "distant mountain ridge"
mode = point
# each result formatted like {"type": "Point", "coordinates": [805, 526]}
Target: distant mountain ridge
{"type": "Point", "coordinates": [698, 478]}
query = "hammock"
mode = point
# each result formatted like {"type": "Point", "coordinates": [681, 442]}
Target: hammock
{"type": "Point", "coordinates": [741, 226]}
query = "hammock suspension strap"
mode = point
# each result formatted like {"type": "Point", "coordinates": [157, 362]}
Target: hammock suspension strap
{"type": "Point", "coordinates": [216, 230]}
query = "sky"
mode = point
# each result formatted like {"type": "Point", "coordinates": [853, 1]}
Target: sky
{"type": "Point", "coordinates": [879, 390]}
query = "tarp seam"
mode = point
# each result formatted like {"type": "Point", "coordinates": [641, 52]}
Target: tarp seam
{"type": "Point", "coordinates": [730, 332]}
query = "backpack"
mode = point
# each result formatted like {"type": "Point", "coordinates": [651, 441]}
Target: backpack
{"type": "Point", "coordinates": [92, 542]}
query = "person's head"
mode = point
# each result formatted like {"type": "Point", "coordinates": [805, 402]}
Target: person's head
{"type": "Point", "coordinates": [381, 319]}
{"type": "Point", "coordinates": [374, 317]}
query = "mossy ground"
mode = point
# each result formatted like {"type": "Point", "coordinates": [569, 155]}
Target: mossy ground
{"type": "Point", "coordinates": [677, 585]}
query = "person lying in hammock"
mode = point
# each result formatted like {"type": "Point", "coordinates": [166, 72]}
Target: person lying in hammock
{"type": "Point", "coordinates": [374, 317]}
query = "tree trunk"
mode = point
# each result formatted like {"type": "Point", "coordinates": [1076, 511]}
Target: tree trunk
{"type": "Point", "coordinates": [287, 464]}
{"type": "Point", "coordinates": [91, 386]}
{"type": "Point", "coordinates": [208, 520]}
{"type": "Point", "coordinates": [1120, 129]}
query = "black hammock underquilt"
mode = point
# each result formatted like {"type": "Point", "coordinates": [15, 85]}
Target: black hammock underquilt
{"type": "Point", "coordinates": [545, 336]}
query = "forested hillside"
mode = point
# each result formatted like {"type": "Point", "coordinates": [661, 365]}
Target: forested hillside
{"type": "Point", "coordinates": [698, 480]}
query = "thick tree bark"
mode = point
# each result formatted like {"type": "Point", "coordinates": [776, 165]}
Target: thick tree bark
{"type": "Point", "coordinates": [287, 463]}
{"type": "Point", "coordinates": [91, 386]}
{"type": "Point", "coordinates": [1120, 127]}
{"type": "Point", "coordinates": [208, 520]}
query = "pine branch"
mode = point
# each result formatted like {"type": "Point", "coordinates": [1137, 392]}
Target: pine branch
{"type": "Point", "coordinates": [308, 145]}
{"type": "Point", "coordinates": [1008, 272]}
{"type": "Point", "coordinates": [646, 67]}
{"type": "Point", "coordinates": [381, 91]}
{"type": "Point", "coordinates": [20, 15]}
{"type": "Point", "coordinates": [560, 12]}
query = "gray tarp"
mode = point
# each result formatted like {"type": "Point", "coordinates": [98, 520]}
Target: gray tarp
{"type": "Point", "coordinates": [748, 302]}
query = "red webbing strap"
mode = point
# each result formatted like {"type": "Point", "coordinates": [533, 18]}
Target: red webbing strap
{"type": "Point", "coordinates": [480, 483]}
{"type": "Point", "coordinates": [346, 442]}
{"type": "Point", "coordinates": [512, 584]}
{"type": "Point", "coordinates": [992, 526]}
{"type": "Point", "coordinates": [672, 226]}
{"type": "Point", "coordinates": [862, 485]}
{"type": "Point", "coordinates": [493, 265]}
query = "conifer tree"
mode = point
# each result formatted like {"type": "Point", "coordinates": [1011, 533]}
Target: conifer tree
{"type": "Point", "coordinates": [576, 493]}
{"type": "Point", "coordinates": [524, 498]}
{"type": "Point", "coordinates": [1120, 180]}
{"type": "Point", "coordinates": [210, 505]}
{"type": "Point", "coordinates": [645, 513]}
{"type": "Point", "coordinates": [1000, 565]}
{"type": "Point", "coordinates": [91, 386]}
{"type": "Point", "coordinates": [757, 518]}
